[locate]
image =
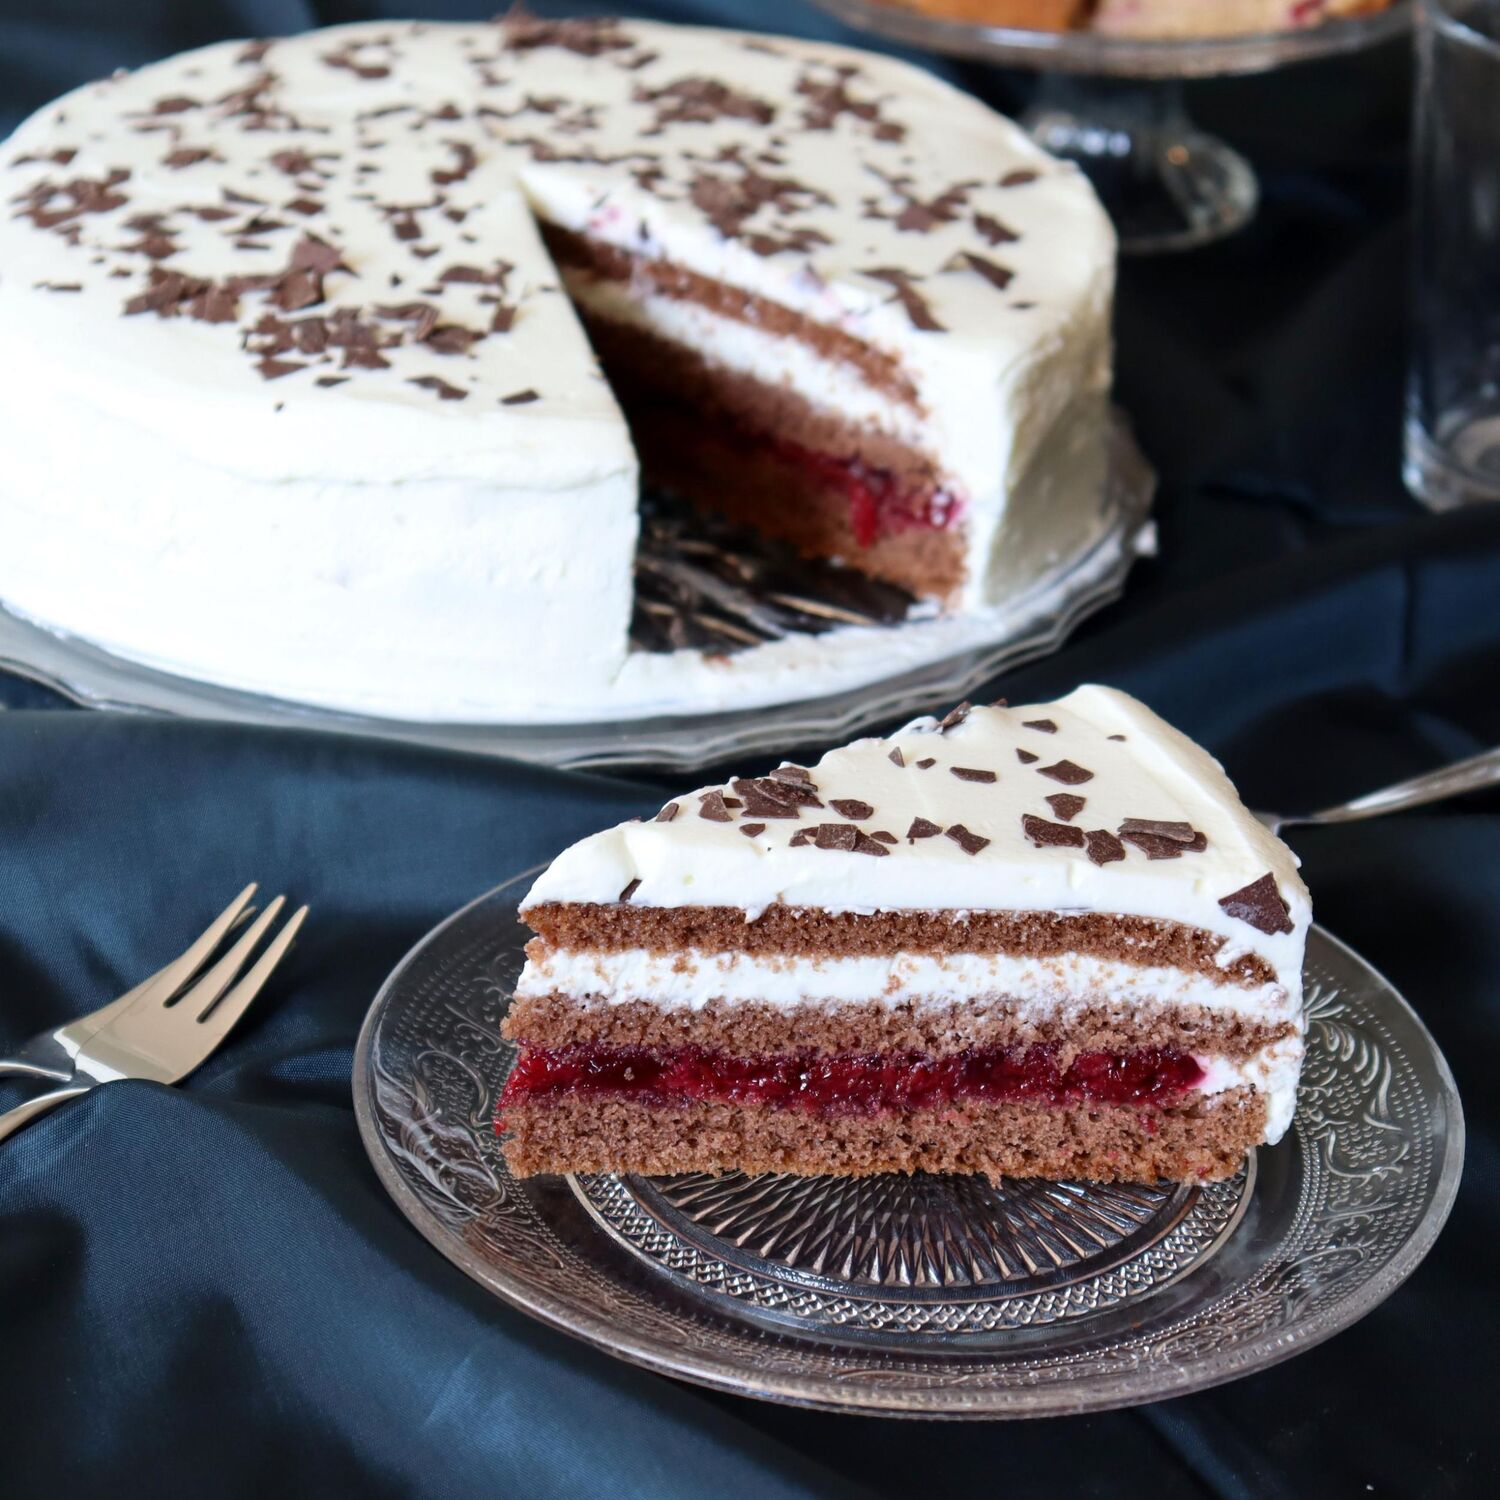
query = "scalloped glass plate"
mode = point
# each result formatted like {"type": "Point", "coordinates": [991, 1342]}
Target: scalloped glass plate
{"type": "Point", "coordinates": [881, 672]}
{"type": "Point", "coordinates": [1091, 53]}
{"type": "Point", "coordinates": [921, 1296]}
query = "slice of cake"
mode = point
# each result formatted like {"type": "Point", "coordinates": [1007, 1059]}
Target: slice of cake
{"type": "Point", "coordinates": [1044, 941]}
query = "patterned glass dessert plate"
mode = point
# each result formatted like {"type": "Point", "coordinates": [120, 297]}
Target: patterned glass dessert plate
{"type": "Point", "coordinates": [821, 652]}
{"type": "Point", "coordinates": [921, 1296]}
{"type": "Point", "coordinates": [1093, 53]}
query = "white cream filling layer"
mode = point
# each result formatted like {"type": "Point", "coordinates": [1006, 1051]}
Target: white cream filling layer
{"type": "Point", "coordinates": [1039, 987]}
{"type": "Point", "coordinates": [1273, 1071]}
{"type": "Point", "coordinates": [772, 359]}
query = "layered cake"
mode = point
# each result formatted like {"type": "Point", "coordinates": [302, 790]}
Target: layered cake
{"type": "Point", "coordinates": [382, 322]}
{"type": "Point", "coordinates": [1150, 18]}
{"type": "Point", "coordinates": [1044, 941]}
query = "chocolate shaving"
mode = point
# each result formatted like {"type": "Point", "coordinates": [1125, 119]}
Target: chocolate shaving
{"type": "Point", "coordinates": [993, 272]}
{"type": "Point", "coordinates": [911, 300]}
{"type": "Point", "coordinates": [702, 101]}
{"type": "Point", "coordinates": [451, 338]}
{"type": "Point", "coordinates": [970, 843]}
{"type": "Point", "coordinates": [1018, 178]}
{"type": "Point", "coordinates": [185, 156]}
{"type": "Point", "coordinates": [520, 398]}
{"type": "Point", "coordinates": [778, 790]}
{"type": "Point", "coordinates": [346, 57]}
{"type": "Point", "coordinates": [1103, 846]}
{"type": "Point", "coordinates": [955, 716]}
{"type": "Point", "coordinates": [926, 763]}
{"type": "Point", "coordinates": [752, 830]}
{"type": "Point", "coordinates": [1178, 833]}
{"type": "Point", "coordinates": [970, 773]}
{"type": "Point", "coordinates": [896, 758]}
{"type": "Point", "coordinates": [711, 807]}
{"type": "Point", "coordinates": [994, 232]}
{"type": "Point", "coordinates": [1047, 726]}
{"type": "Point", "coordinates": [274, 369]}
{"type": "Point", "coordinates": [827, 102]}
{"type": "Point", "coordinates": [1044, 834]}
{"type": "Point", "coordinates": [836, 836]}
{"type": "Point", "coordinates": [852, 807]}
{"type": "Point", "coordinates": [792, 773]}
{"type": "Point", "coordinates": [51, 205]}
{"type": "Point", "coordinates": [1116, 736]}
{"type": "Point", "coordinates": [445, 392]}
{"type": "Point", "coordinates": [885, 838]}
{"type": "Point", "coordinates": [667, 813]}
{"type": "Point", "coordinates": [629, 890]}
{"type": "Point", "coordinates": [1066, 772]}
{"type": "Point", "coordinates": [921, 828]}
{"type": "Point", "coordinates": [1260, 904]}
{"type": "Point", "coordinates": [1026, 757]}
{"type": "Point", "coordinates": [465, 160]}
{"type": "Point", "coordinates": [729, 203]}
{"type": "Point", "coordinates": [495, 276]}
{"type": "Point", "coordinates": [1162, 840]}
{"type": "Point", "coordinates": [586, 36]}
{"type": "Point", "coordinates": [1065, 805]}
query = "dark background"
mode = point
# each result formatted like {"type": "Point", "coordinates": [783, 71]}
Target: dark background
{"type": "Point", "coordinates": [204, 1291]}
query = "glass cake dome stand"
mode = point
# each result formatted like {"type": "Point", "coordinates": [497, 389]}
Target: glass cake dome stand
{"type": "Point", "coordinates": [1115, 106]}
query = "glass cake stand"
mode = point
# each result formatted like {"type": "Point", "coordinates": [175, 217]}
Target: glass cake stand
{"type": "Point", "coordinates": [874, 660]}
{"type": "Point", "coordinates": [1115, 106]}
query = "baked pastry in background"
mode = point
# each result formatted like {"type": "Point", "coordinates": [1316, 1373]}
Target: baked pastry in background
{"type": "Point", "coordinates": [1190, 18]}
{"type": "Point", "coordinates": [1148, 18]}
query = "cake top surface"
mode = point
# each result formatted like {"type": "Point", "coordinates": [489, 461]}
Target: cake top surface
{"type": "Point", "coordinates": [329, 240]}
{"type": "Point", "coordinates": [1089, 804]}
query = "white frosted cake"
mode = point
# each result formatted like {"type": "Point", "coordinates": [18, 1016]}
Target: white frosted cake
{"type": "Point", "coordinates": [1043, 941]}
{"type": "Point", "coordinates": [311, 400]}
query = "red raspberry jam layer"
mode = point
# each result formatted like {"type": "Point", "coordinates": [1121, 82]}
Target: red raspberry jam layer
{"type": "Point", "coordinates": [849, 1083]}
{"type": "Point", "coordinates": [880, 504]}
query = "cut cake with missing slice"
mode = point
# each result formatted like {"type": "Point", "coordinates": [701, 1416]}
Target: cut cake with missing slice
{"type": "Point", "coordinates": [1037, 942]}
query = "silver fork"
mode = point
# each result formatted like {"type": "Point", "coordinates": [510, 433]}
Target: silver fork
{"type": "Point", "coordinates": [50, 1054]}
{"type": "Point", "coordinates": [147, 1035]}
{"type": "Point", "coordinates": [1434, 786]}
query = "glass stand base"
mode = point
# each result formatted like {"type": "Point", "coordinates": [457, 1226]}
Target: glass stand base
{"type": "Point", "coordinates": [1166, 185]}
{"type": "Point", "coordinates": [1461, 466]}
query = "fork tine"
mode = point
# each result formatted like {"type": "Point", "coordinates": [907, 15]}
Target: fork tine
{"type": "Point", "coordinates": [166, 982]}
{"type": "Point", "coordinates": [233, 1005]}
{"type": "Point", "coordinates": [198, 1000]}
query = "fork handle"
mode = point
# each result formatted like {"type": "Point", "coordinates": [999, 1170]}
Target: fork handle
{"type": "Point", "coordinates": [14, 1067]}
{"type": "Point", "coordinates": [12, 1120]}
{"type": "Point", "coordinates": [1447, 781]}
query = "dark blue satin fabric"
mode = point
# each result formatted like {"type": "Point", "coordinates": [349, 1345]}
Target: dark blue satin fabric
{"type": "Point", "coordinates": [203, 1290]}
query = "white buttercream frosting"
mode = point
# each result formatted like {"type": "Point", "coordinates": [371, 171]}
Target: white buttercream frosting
{"type": "Point", "coordinates": [437, 542]}
{"type": "Point", "coordinates": [1152, 773]}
